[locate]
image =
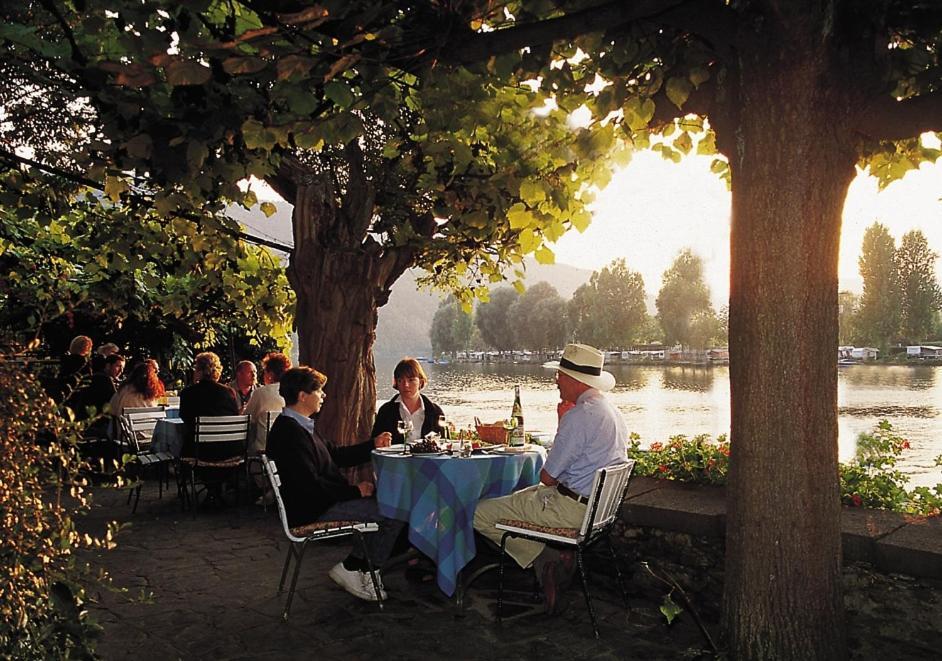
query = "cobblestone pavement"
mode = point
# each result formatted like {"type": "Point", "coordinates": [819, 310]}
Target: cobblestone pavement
{"type": "Point", "coordinates": [212, 585]}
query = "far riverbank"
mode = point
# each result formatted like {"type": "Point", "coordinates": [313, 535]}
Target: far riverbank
{"type": "Point", "coordinates": [659, 401]}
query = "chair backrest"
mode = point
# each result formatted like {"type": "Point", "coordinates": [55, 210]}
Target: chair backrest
{"type": "Point", "coordinates": [608, 491]}
{"type": "Point", "coordinates": [270, 418]}
{"type": "Point", "coordinates": [142, 409]}
{"type": "Point", "coordinates": [223, 436]}
{"type": "Point", "coordinates": [137, 425]}
{"type": "Point", "coordinates": [272, 472]}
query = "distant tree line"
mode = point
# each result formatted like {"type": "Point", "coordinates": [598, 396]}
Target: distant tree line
{"type": "Point", "coordinates": [608, 311]}
{"type": "Point", "coordinates": [901, 296]}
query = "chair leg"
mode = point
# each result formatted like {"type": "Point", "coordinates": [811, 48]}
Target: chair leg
{"type": "Point", "coordinates": [369, 564]}
{"type": "Point", "coordinates": [284, 571]}
{"type": "Point", "coordinates": [500, 578]}
{"type": "Point", "coordinates": [137, 498]}
{"type": "Point", "coordinates": [294, 582]}
{"type": "Point", "coordinates": [618, 574]}
{"type": "Point", "coordinates": [196, 500]}
{"type": "Point", "coordinates": [585, 591]}
{"type": "Point", "coordinates": [161, 467]}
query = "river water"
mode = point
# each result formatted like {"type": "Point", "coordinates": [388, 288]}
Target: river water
{"type": "Point", "coordinates": [660, 401]}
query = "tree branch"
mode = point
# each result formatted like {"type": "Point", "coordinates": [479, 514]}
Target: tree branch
{"type": "Point", "coordinates": [889, 119]}
{"type": "Point", "coordinates": [704, 17]}
{"type": "Point", "coordinates": [143, 200]}
{"type": "Point", "coordinates": [77, 54]}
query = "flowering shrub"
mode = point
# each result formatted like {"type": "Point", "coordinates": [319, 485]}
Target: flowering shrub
{"type": "Point", "coordinates": [697, 459]}
{"type": "Point", "coordinates": [871, 479]}
{"type": "Point", "coordinates": [42, 611]}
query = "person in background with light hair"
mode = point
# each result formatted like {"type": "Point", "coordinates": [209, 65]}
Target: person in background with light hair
{"type": "Point", "coordinates": [73, 367]}
{"type": "Point", "coordinates": [206, 396]}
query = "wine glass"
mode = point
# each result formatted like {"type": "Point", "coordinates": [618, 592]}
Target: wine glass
{"type": "Point", "coordinates": [404, 427]}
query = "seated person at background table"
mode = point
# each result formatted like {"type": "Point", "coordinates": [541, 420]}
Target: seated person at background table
{"type": "Point", "coordinates": [266, 398]}
{"type": "Point", "coordinates": [72, 368]}
{"type": "Point", "coordinates": [245, 382]}
{"type": "Point", "coordinates": [409, 379]}
{"type": "Point", "coordinates": [205, 397]}
{"type": "Point", "coordinates": [100, 387]}
{"type": "Point", "coordinates": [142, 388]}
{"type": "Point", "coordinates": [592, 434]}
{"type": "Point", "coordinates": [314, 489]}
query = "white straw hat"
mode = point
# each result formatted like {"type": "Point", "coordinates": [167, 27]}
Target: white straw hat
{"type": "Point", "coordinates": [584, 364]}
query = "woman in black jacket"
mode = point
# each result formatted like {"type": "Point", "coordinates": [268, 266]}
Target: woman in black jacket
{"type": "Point", "coordinates": [409, 379]}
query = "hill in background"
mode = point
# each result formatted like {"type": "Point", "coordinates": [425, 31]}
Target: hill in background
{"type": "Point", "coordinates": [404, 322]}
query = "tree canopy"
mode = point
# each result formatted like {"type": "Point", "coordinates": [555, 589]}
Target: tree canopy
{"type": "Point", "coordinates": [189, 98]}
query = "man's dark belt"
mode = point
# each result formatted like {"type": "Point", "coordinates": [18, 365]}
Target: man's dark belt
{"type": "Point", "coordinates": [569, 493]}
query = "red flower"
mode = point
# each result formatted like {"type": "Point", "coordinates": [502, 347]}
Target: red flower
{"type": "Point", "coordinates": [905, 444]}
{"type": "Point", "coordinates": [656, 447]}
{"type": "Point", "coordinates": [724, 449]}
{"type": "Point", "coordinates": [856, 500]}
{"type": "Point", "coordinates": [662, 468]}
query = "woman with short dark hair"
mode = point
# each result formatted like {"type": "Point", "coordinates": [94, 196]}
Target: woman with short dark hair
{"type": "Point", "coordinates": [409, 404]}
{"type": "Point", "coordinates": [312, 486]}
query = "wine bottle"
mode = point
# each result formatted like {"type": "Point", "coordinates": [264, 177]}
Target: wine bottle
{"type": "Point", "coordinates": [517, 434]}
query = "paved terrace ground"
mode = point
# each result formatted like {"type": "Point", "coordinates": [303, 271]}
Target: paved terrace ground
{"type": "Point", "coordinates": [213, 581]}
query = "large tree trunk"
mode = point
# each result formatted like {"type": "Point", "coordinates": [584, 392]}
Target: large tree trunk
{"type": "Point", "coordinates": [341, 276]}
{"type": "Point", "coordinates": [791, 170]}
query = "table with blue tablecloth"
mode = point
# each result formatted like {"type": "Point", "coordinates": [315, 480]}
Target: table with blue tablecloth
{"type": "Point", "coordinates": [437, 496]}
{"type": "Point", "coordinates": [169, 434]}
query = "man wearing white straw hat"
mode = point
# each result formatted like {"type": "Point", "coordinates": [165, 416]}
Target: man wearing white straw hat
{"type": "Point", "coordinates": [592, 434]}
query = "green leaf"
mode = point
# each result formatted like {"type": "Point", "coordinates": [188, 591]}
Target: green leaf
{"type": "Point", "coordinates": [545, 256]}
{"type": "Point", "coordinates": [580, 220]}
{"type": "Point", "coordinates": [519, 217]}
{"type": "Point", "coordinates": [532, 192]}
{"type": "Point", "coordinates": [678, 90]}
{"type": "Point", "coordinates": [196, 153]}
{"type": "Point", "coordinates": [683, 143]}
{"type": "Point", "coordinates": [528, 240]}
{"type": "Point", "coordinates": [707, 145]}
{"type": "Point", "coordinates": [699, 75]}
{"type": "Point", "coordinates": [339, 93]}
{"type": "Point", "coordinates": [186, 72]}
{"type": "Point", "coordinates": [114, 187]}
{"type": "Point", "coordinates": [670, 609]}
{"type": "Point", "coordinates": [268, 209]}
{"type": "Point", "coordinates": [235, 66]}
{"type": "Point", "coordinates": [293, 67]}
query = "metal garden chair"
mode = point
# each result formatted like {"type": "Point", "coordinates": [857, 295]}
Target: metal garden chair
{"type": "Point", "coordinates": [300, 536]}
{"type": "Point", "coordinates": [608, 491]}
{"type": "Point", "coordinates": [220, 445]}
{"type": "Point", "coordinates": [137, 430]}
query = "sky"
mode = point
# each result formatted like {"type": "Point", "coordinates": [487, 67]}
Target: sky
{"type": "Point", "coordinates": [654, 208]}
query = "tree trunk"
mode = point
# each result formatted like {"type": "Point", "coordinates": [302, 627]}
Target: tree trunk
{"type": "Point", "coordinates": [791, 168]}
{"type": "Point", "coordinates": [340, 277]}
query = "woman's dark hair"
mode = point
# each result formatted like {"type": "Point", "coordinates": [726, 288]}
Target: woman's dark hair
{"type": "Point", "coordinates": [298, 380]}
{"type": "Point", "coordinates": [144, 380]}
{"type": "Point", "coordinates": [409, 368]}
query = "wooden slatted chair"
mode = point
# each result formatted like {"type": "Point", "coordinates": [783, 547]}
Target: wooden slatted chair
{"type": "Point", "coordinates": [137, 431]}
{"type": "Point", "coordinates": [300, 536]}
{"type": "Point", "coordinates": [220, 446]}
{"type": "Point", "coordinates": [608, 491]}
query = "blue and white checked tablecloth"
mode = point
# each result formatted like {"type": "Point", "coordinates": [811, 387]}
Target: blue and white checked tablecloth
{"type": "Point", "coordinates": [168, 436]}
{"type": "Point", "coordinates": [438, 496]}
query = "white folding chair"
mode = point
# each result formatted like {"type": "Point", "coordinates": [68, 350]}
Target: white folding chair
{"type": "Point", "coordinates": [219, 449]}
{"type": "Point", "coordinates": [137, 430]}
{"type": "Point", "coordinates": [300, 536]}
{"type": "Point", "coordinates": [608, 491]}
